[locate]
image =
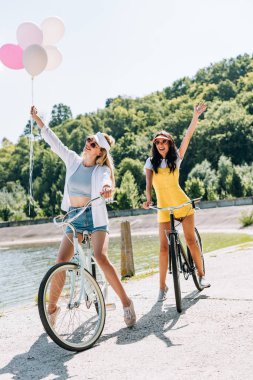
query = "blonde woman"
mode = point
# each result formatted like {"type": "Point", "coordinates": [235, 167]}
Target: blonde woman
{"type": "Point", "coordinates": [88, 176]}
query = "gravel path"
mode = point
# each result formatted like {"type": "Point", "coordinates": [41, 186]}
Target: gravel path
{"type": "Point", "coordinates": [211, 339]}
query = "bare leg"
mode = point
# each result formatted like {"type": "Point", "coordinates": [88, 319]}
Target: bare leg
{"type": "Point", "coordinates": [100, 241]}
{"type": "Point", "coordinates": [164, 257]}
{"type": "Point", "coordinates": [65, 254]}
{"type": "Point", "coordinates": [189, 233]}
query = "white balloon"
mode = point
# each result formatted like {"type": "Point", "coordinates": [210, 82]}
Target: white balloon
{"type": "Point", "coordinates": [29, 34]}
{"type": "Point", "coordinates": [54, 57]}
{"type": "Point", "coordinates": [53, 29]}
{"type": "Point", "coordinates": [34, 59]}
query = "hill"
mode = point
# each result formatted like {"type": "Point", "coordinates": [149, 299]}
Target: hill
{"type": "Point", "coordinates": [218, 163]}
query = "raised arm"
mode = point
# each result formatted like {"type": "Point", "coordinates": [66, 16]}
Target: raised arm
{"type": "Point", "coordinates": [50, 137]}
{"type": "Point", "coordinates": [198, 110]}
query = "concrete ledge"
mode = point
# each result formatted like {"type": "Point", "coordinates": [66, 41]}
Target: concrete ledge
{"type": "Point", "coordinates": [131, 212]}
{"type": "Point", "coordinates": [243, 201]}
{"type": "Point", "coordinates": [26, 222]}
{"type": "Point", "coordinates": [208, 204]}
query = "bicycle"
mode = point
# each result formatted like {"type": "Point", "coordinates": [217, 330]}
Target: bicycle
{"type": "Point", "coordinates": [81, 290]}
{"type": "Point", "coordinates": [180, 261]}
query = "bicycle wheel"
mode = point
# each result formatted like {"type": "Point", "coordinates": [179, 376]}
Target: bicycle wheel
{"type": "Point", "coordinates": [81, 316]}
{"type": "Point", "coordinates": [192, 264]}
{"type": "Point", "coordinates": [175, 272]}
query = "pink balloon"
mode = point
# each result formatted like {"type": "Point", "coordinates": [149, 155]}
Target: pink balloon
{"type": "Point", "coordinates": [29, 34]}
{"type": "Point", "coordinates": [12, 56]}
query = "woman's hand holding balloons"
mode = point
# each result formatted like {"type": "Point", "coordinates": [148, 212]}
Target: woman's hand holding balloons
{"type": "Point", "coordinates": [35, 117]}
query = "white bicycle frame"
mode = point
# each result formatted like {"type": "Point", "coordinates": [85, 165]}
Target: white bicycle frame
{"type": "Point", "coordinates": [81, 258]}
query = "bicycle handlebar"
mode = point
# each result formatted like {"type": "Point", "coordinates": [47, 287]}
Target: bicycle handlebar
{"type": "Point", "coordinates": [61, 220]}
{"type": "Point", "coordinates": [192, 201]}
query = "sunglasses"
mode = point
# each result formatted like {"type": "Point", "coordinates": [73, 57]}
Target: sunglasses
{"type": "Point", "coordinates": [158, 141]}
{"type": "Point", "coordinates": [93, 144]}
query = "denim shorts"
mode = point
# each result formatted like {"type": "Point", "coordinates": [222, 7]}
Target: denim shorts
{"type": "Point", "coordinates": [84, 222]}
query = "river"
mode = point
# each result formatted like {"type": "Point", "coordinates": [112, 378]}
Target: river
{"type": "Point", "coordinates": [24, 267]}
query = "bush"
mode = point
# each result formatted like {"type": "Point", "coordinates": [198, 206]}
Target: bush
{"type": "Point", "coordinates": [127, 195]}
{"type": "Point", "coordinates": [246, 218]}
{"type": "Point", "coordinates": [194, 187]}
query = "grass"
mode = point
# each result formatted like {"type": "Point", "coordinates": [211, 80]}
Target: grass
{"type": "Point", "coordinates": [146, 248]}
{"type": "Point", "coordinates": [140, 276]}
{"type": "Point", "coordinates": [213, 241]}
{"type": "Point", "coordinates": [246, 219]}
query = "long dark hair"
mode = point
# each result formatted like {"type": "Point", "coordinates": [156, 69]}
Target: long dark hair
{"type": "Point", "coordinates": [171, 156]}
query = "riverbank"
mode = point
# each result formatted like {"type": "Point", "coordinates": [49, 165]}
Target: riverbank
{"type": "Point", "coordinates": [213, 219]}
{"type": "Point", "coordinates": [209, 340]}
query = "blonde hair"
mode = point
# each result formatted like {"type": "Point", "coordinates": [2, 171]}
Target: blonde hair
{"type": "Point", "coordinates": [106, 159]}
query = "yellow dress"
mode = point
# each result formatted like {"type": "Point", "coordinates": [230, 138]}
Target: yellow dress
{"type": "Point", "coordinates": [169, 193]}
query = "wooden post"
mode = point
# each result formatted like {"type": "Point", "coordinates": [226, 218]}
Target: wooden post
{"type": "Point", "coordinates": [127, 261]}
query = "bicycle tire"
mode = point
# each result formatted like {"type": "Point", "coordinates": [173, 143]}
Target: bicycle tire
{"type": "Point", "coordinates": [77, 320]}
{"type": "Point", "coordinates": [192, 264]}
{"type": "Point", "coordinates": [175, 273]}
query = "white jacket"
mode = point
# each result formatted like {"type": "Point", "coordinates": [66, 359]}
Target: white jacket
{"type": "Point", "coordinates": [100, 176]}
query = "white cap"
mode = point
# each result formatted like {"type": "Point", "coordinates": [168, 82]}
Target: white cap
{"type": "Point", "coordinates": [101, 141]}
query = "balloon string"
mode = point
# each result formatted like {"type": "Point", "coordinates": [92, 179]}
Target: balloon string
{"type": "Point", "coordinates": [31, 138]}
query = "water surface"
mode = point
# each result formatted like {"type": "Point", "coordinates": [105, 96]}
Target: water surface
{"type": "Point", "coordinates": [24, 267]}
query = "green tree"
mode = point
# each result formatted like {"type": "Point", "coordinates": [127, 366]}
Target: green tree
{"type": "Point", "coordinates": [207, 176]}
{"type": "Point", "coordinates": [27, 129]}
{"type": "Point", "coordinates": [59, 114]}
{"type": "Point", "coordinates": [136, 168]}
{"type": "Point", "coordinates": [131, 145]}
{"type": "Point", "coordinates": [210, 92]}
{"type": "Point", "coordinates": [226, 90]}
{"type": "Point", "coordinates": [127, 195]}
{"type": "Point", "coordinates": [225, 174]}
{"type": "Point", "coordinates": [178, 88]}
{"type": "Point", "coordinates": [32, 209]}
{"type": "Point", "coordinates": [226, 130]}
{"type": "Point", "coordinates": [12, 201]}
{"type": "Point", "coordinates": [246, 175]}
{"type": "Point", "coordinates": [236, 185]}
{"type": "Point", "coordinates": [6, 154]}
{"type": "Point", "coordinates": [195, 187]}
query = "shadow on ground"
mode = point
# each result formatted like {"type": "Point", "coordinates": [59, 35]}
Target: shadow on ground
{"type": "Point", "coordinates": [158, 321]}
{"type": "Point", "coordinates": [45, 358]}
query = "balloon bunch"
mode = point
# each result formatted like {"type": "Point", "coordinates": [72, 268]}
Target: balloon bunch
{"type": "Point", "coordinates": [35, 51]}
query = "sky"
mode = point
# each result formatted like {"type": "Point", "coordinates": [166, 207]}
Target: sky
{"type": "Point", "coordinates": [118, 47]}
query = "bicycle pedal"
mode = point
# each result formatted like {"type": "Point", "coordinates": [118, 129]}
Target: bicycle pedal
{"type": "Point", "coordinates": [110, 306]}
